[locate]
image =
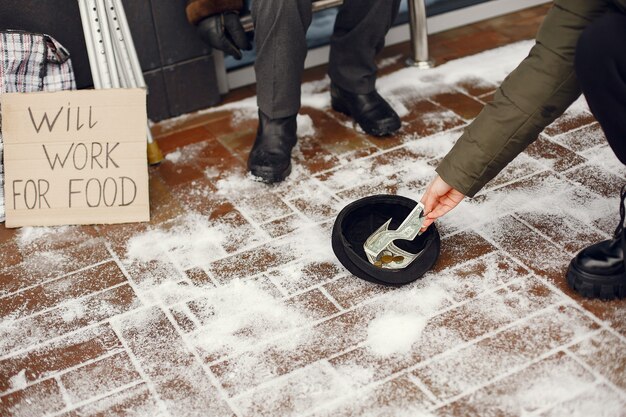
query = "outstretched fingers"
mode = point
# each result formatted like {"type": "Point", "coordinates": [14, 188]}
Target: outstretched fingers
{"type": "Point", "coordinates": [442, 207]}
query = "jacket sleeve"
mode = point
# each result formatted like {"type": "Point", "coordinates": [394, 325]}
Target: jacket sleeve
{"type": "Point", "coordinates": [199, 9]}
{"type": "Point", "coordinates": [539, 90]}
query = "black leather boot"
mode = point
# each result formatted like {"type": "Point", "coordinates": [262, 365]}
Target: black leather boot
{"type": "Point", "coordinates": [599, 271]}
{"type": "Point", "coordinates": [370, 111]}
{"type": "Point", "coordinates": [270, 157]}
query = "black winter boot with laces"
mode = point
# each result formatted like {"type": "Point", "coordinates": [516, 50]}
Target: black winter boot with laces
{"type": "Point", "coordinates": [599, 271]}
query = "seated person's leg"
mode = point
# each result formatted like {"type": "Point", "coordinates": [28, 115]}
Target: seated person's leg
{"type": "Point", "coordinates": [280, 30]}
{"type": "Point", "coordinates": [358, 37]}
{"type": "Point", "coordinates": [599, 270]}
{"type": "Point", "coordinates": [280, 36]}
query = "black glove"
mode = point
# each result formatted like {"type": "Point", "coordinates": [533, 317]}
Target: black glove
{"type": "Point", "coordinates": [224, 32]}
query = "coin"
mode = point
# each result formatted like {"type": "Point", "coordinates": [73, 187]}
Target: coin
{"type": "Point", "coordinates": [386, 259]}
{"type": "Point", "coordinates": [398, 259]}
{"type": "Point", "coordinates": [378, 264]}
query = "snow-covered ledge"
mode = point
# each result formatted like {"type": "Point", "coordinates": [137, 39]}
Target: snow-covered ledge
{"type": "Point", "coordinates": [445, 21]}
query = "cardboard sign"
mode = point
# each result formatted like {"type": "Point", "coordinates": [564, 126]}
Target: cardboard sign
{"type": "Point", "coordinates": [75, 157]}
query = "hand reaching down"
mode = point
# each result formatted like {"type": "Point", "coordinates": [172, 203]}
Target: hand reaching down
{"type": "Point", "coordinates": [438, 200]}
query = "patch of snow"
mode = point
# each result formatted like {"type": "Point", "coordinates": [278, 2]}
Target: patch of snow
{"type": "Point", "coordinates": [193, 240]}
{"type": "Point", "coordinates": [186, 154]}
{"type": "Point", "coordinates": [394, 333]}
{"type": "Point", "coordinates": [240, 315]}
{"type": "Point", "coordinates": [345, 178]}
{"type": "Point", "coordinates": [305, 126]}
{"type": "Point", "coordinates": [28, 235]}
{"type": "Point", "coordinates": [295, 395]}
{"type": "Point", "coordinates": [18, 381]}
{"type": "Point", "coordinates": [548, 384]}
{"type": "Point", "coordinates": [387, 62]}
{"type": "Point", "coordinates": [398, 106]}
{"type": "Point", "coordinates": [72, 310]}
{"type": "Point", "coordinates": [174, 157]}
{"type": "Point", "coordinates": [174, 122]}
{"type": "Point", "coordinates": [319, 101]}
{"type": "Point", "coordinates": [603, 156]}
{"type": "Point", "coordinates": [600, 401]}
{"type": "Point", "coordinates": [578, 107]}
{"type": "Point", "coordinates": [245, 106]}
{"type": "Point", "coordinates": [236, 184]}
{"type": "Point", "coordinates": [402, 316]}
{"type": "Point", "coordinates": [552, 195]}
{"type": "Point", "coordinates": [480, 66]}
{"type": "Point", "coordinates": [240, 115]}
{"type": "Point", "coordinates": [310, 242]}
{"type": "Point", "coordinates": [434, 146]}
{"type": "Point", "coordinates": [315, 87]}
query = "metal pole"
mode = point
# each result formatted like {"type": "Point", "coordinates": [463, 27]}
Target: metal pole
{"type": "Point", "coordinates": [125, 74]}
{"type": "Point", "coordinates": [108, 44]}
{"type": "Point", "coordinates": [419, 36]}
{"type": "Point", "coordinates": [220, 71]}
{"type": "Point", "coordinates": [96, 48]}
{"type": "Point", "coordinates": [90, 43]}
{"type": "Point", "coordinates": [131, 60]}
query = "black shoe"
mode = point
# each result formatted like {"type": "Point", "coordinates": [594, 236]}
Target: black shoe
{"type": "Point", "coordinates": [270, 157]}
{"type": "Point", "coordinates": [599, 271]}
{"type": "Point", "coordinates": [370, 111]}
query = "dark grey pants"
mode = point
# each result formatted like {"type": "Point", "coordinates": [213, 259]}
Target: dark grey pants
{"type": "Point", "coordinates": [280, 29]}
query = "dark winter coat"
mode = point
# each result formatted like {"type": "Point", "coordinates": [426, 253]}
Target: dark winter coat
{"type": "Point", "coordinates": [538, 91]}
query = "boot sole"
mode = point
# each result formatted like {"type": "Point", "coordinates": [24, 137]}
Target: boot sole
{"type": "Point", "coordinates": [385, 130]}
{"type": "Point", "coordinates": [605, 287]}
{"type": "Point", "coordinates": [270, 177]}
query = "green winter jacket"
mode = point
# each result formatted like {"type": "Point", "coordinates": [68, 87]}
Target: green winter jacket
{"type": "Point", "coordinates": [538, 91]}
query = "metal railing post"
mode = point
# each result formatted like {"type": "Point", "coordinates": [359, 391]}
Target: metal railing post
{"type": "Point", "coordinates": [419, 36]}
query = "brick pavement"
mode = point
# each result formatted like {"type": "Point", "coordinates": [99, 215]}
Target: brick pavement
{"type": "Point", "coordinates": [229, 302]}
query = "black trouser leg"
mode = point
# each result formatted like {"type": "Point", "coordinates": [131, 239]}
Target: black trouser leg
{"type": "Point", "coordinates": [359, 35]}
{"type": "Point", "coordinates": [280, 34]}
{"type": "Point", "coordinates": [601, 71]}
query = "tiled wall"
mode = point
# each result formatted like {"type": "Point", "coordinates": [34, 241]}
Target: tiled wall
{"type": "Point", "coordinates": [177, 65]}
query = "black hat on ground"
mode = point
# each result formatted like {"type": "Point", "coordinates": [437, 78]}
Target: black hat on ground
{"type": "Point", "coordinates": [358, 220]}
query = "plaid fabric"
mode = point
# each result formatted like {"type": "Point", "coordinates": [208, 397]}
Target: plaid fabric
{"type": "Point", "coordinates": [31, 62]}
